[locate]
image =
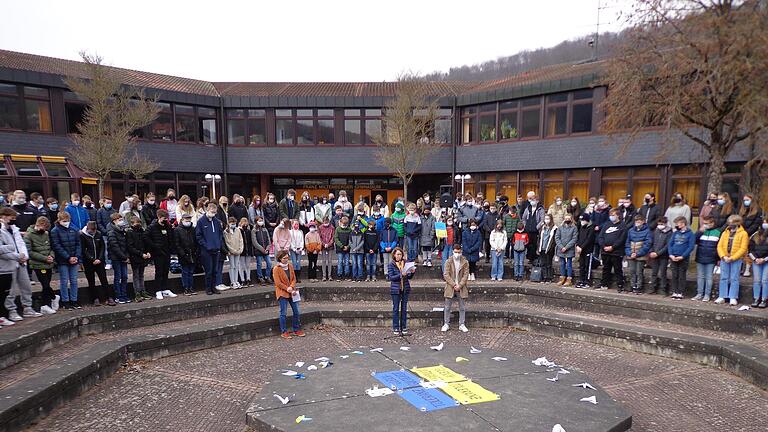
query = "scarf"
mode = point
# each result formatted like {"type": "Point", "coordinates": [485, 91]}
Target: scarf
{"type": "Point", "coordinates": [400, 265]}
{"type": "Point", "coordinates": [283, 266]}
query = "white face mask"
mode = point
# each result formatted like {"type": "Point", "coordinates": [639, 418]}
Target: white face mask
{"type": "Point", "coordinates": [613, 218]}
{"type": "Point", "coordinates": [75, 203]}
{"type": "Point", "coordinates": [584, 223]}
{"type": "Point", "coordinates": [312, 229]}
{"type": "Point", "coordinates": [211, 214]}
{"type": "Point", "coordinates": [574, 203]}
{"type": "Point", "coordinates": [260, 223]}
{"type": "Point", "coordinates": [473, 227]}
{"type": "Point", "coordinates": [64, 224]}
{"type": "Point", "coordinates": [559, 202]}
{"type": "Point", "coordinates": [232, 226]}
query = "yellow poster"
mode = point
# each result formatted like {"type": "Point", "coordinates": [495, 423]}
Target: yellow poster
{"type": "Point", "coordinates": [438, 373]}
{"type": "Point", "coordinates": [467, 392]}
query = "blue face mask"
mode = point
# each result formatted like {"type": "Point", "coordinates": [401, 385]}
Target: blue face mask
{"type": "Point", "coordinates": [721, 202]}
{"type": "Point", "coordinates": [747, 203]}
{"type": "Point", "coordinates": [108, 206]}
{"type": "Point", "coordinates": [54, 206]}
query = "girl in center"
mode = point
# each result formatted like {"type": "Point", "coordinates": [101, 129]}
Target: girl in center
{"type": "Point", "coordinates": [285, 286]}
{"type": "Point", "coordinates": [399, 288]}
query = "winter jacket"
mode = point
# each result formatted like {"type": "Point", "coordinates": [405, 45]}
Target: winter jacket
{"type": "Point", "coordinates": [566, 237]}
{"type": "Point", "coordinates": [510, 224]}
{"type": "Point", "coordinates": [520, 241]}
{"type": "Point", "coordinates": [288, 209]}
{"type": "Point", "coordinates": [489, 223]}
{"type": "Point", "coordinates": [371, 241]}
{"type": "Point", "coordinates": [450, 276]}
{"type": "Point", "coordinates": [137, 245]}
{"type": "Point", "coordinates": [471, 242]}
{"type": "Point", "coordinates": [738, 248]}
{"type": "Point", "coordinates": [673, 212]}
{"type": "Point", "coordinates": [92, 245]}
{"type": "Point", "coordinates": [627, 214]}
{"type": "Point", "coordinates": [557, 213]}
{"type": "Point", "coordinates": [127, 215]}
{"type": "Point", "coordinates": [281, 238]}
{"type": "Point", "coordinates": [322, 211]}
{"type": "Point", "coordinates": [233, 238]}
{"type": "Point", "coordinates": [428, 231]}
{"type": "Point", "coordinates": [413, 226]}
{"type": "Point", "coordinates": [237, 211]}
{"type": "Point", "coordinates": [91, 211]}
{"type": "Point", "coordinates": [312, 242]}
{"type": "Point", "coordinates": [388, 239]}
{"type": "Point", "coordinates": [186, 245]}
{"type": "Point", "coordinates": [722, 219]}
{"type": "Point", "coordinates": [117, 243]}
{"type": "Point", "coordinates": [39, 248]}
{"type": "Point", "coordinates": [600, 218]}
{"type": "Point", "coordinates": [586, 238]}
{"type": "Point", "coordinates": [651, 213]}
{"type": "Point", "coordinates": [12, 246]}
{"type": "Point", "coordinates": [297, 240]}
{"type": "Point", "coordinates": [247, 242]}
{"type": "Point", "coordinates": [341, 239]}
{"type": "Point", "coordinates": [682, 243]}
{"type": "Point", "coordinates": [222, 214]}
{"type": "Point", "coordinates": [468, 212]}
{"type": "Point", "coordinates": [615, 235]}
{"type": "Point", "coordinates": [254, 213]}
{"type": "Point", "coordinates": [26, 216]}
{"type": "Point", "coordinates": [79, 216]}
{"type": "Point", "coordinates": [209, 234]}
{"type": "Point", "coordinates": [159, 239]}
{"type": "Point", "coordinates": [172, 207]}
{"type": "Point", "coordinates": [752, 223]}
{"type": "Point", "coordinates": [498, 240]}
{"type": "Point", "coordinates": [261, 241]}
{"type": "Point", "coordinates": [639, 242]}
{"type": "Point", "coordinates": [661, 242]}
{"type": "Point", "coordinates": [149, 213]}
{"type": "Point", "coordinates": [398, 223]}
{"type": "Point", "coordinates": [398, 282]}
{"type": "Point", "coordinates": [756, 248]}
{"type": "Point", "coordinates": [706, 252]}
{"type": "Point", "coordinates": [533, 218]}
{"type": "Point", "coordinates": [306, 214]}
{"type": "Point", "coordinates": [104, 219]}
{"type": "Point", "coordinates": [271, 214]}
{"type": "Point", "coordinates": [379, 221]}
{"type": "Point", "coordinates": [356, 242]}
{"type": "Point", "coordinates": [548, 244]}
{"type": "Point", "coordinates": [66, 244]}
{"type": "Point", "coordinates": [326, 235]}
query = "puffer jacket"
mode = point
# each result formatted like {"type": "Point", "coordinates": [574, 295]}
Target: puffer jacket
{"type": "Point", "coordinates": [467, 212]}
{"type": "Point", "coordinates": [186, 245]}
{"type": "Point", "coordinates": [413, 226]}
{"type": "Point", "coordinates": [639, 241]}
{"type": "Point", "coordinates": [233, 238]}
{"type": "Point", "coordinates": [498, 240]}
{"type": "Point", "coordinates": [341, 238]}
{"type": "Point", "coordinates": [398, 282]}
{"type": "Point", "coordinates": [270, 213]}
{"type": "Point", "coordinates": [471, 242]}
{"type": "Point", "coordinates": [39, 248]}
{"type": "Point", "coordinates": [388, 239]}
{"type": "Point", "coordinates": [66, 244]}
{"type": "Point", "coordinates": [566, 237]}
{"type": "Point", "coordinates": [159, 239]}
{"type": "Point", "coordinates": [427, 231]}
{"type": "Point", "coordinates": [752, 223]}
{"type": "Point", "coordinates": [586, 238]}
{"type": "Point", "coordinates": [93, 246]}
{"type": "Point", "coordinates": [12, 246]}
{"type": "Point", "coordinates": [758, 249]}
{"type": "Point", "coordinates": [739, 247]}
{"type": "Point", "coordinates": [356, 242]}
{"type": "Point", "coordinates": [137, 245]}
{"type": "Point", "coordinates": [247, 242]}
{"type": "Point", "coordinates": [707, 240]}
{"type": "Point", "coordinates": [103, 219]}
{"type": "Point", "coordinates": [661, 242]}
{"type": "Point", "coordinates": [117, 243]}
{"type": "Point", "coordinates": [489, 223]}
{"type": "Point", "coordinates": [397, 222]}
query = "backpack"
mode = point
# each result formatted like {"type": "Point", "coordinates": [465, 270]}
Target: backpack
{"type": "Point", "coordinates": [536, 272]}
{"type": "Point", "coordinates": [175, 266]}
{"type": "Point", "coordinates": [519, 245]}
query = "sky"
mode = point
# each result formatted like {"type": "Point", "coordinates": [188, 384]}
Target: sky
{"type": "Point", "coordinates": [297, 40]}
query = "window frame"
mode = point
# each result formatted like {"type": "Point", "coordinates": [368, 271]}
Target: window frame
{"type": "Point", "coordinates": [362, 117]}
{"type": "Point", "coordinates": [21, 110]}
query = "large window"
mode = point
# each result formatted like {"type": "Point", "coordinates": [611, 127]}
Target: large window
{"type": "Point", "coordinates": [185, 123]}
{"type": "Point", "coordinates": [206, 125]}
{"type": "Point", "coordinates": [488, 122]}
{"type": "Point", "coordinates": [284, 125]}
{"type": "Point", "coordinates": [615, 184]}
{"type": "Point", "coordinates": [581, 114]}
{"type": "Point", "coordinates": [531, 114]}
{"type": "Point", "coordinates": [508, 112]}
{"type": "Point", "coordinates": [362, 126]}
{"type": "Point", "coordinates": [246, 127]}
{"type": "Point", "coordinates": [443, 126]}
{"type": "Point", "coordinates": [557, 114]}
{"type": "Point", "coordinates": [162, 128]}
{"type": "Point", "coordinates": [25, 108]}
{"type": "Point", "coordinates": [469, 125]}
{"type": "Point", "coordinates": [74, 109]}
{"type": "Point", "coordinates": [304, 126]}
{"type": "Point", "coordinates": [10, 107]}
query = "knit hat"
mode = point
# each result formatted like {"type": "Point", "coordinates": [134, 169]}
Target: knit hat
{"type": "Point", "coordinates": [399, 205]}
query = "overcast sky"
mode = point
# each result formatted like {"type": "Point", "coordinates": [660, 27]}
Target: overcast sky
{"type": "Point", "coordinates": [297, 40]}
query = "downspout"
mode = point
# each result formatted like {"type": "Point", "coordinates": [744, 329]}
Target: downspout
{"type": "Point", "coordinates": [224, 176]}
{"type": "Point", "coordinates": [454, 141]}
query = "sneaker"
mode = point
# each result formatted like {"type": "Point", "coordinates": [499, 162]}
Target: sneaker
{"type": "Point", "coordinates": [55, 303]}
{"type": "Point", "coordinates": [705, 299]}
{"type": "Point", "coordinates": [463, 328]}
{"type": "Point", "coordinates": [31, 313]}
{"type": "Point", "coordinates": [47, 310]}
{"type": "Point", "coordinates": [299, 333]}
{"type": "Point", "coordinates": [14, 316]}
{"type": "Point", "coordinates": [138, 299]}
{"type": "Point", "coordinates": [444, 328]}
{"type": "Point", "coordinates": [6, 322]}
{"type": "Point", "coordinates": [763, 304]}
{"type": "Point", "coordinates": [108, 267]}
{"type": "Point", "coordinates": [77, 305]}
{"type": "Point", "coordinates": [159, 295]}
{"type": "Point", "coordinates": [367, 278]}
{"type": "Point", "coordinates": [222, 287]}
{"type": "Point", "coordinates": [698, 297]}
{"type": "Point", "coordinates": [286, 335]}
{"type": "Point", "coordinates": [755, 302]}
{"type": "Point", "coordinates": [146, 295]}
{"type": "Point", "coordinates": [121, 301]}
{"type": "Point", "coordinates": [374, 279]}
{"type": "Point", "coordinates": [404, 332]}
{"type": "Point", "coordinates": [734, 302]}
{"type": "Point", "coordinates": [169, 293]}
{"type": "Point", "coordinates": [720, 300]}
{"type": "Point", "coordinates": [111, 302]}
{"type": "Point", "coordinates": [187, 292]}
{"type": "Point", "coordinates": [32, 282]}
{"type": "Point", "coordinates": [236, 285]}
{"type": "Point", "coordinates": [96, 302]}
{"type": "Point", "coordinates": [394, 332]}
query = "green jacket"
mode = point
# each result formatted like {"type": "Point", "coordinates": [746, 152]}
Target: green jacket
{"type": "Point", "coordinates": [397, 223]}
{"type": "Point", "coordinates": [510, 224]}
{"type": "Point", "coordinates": [39, 248]}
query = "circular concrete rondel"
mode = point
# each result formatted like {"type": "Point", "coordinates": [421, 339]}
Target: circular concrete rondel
{"type": "Point", "coordinates": [470, 392]}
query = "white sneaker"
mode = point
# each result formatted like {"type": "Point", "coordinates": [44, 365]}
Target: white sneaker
{"type": "Point", "coordinates": [705, 299]}
{"type": "Point", "coordinates": [32, 282]}
{"type": "Point", "coordinates": [698, 297]}
{"type": "Point", "coordinates": [169, 293]}
{"type": "Point", "coordinates": [31, 313]}
{"type": "Point", "coordinates": [108, 267]}
{"type": "Point", "coordinates": [14, 316]}
{"type": "Point", "coordinates": [159, 295]}
{"type": "Point", "coordinates": [734, 302]}
{"type": "Point", "coordinates": [444, 328]}
{"type": "Point", "coordinates": [6, 322]}
{"type": "Point", "coordinates": [55, 303]}
{"type": "Point", "coordinates": [236, 285]}
{"type": "Point", "coordinates": [463, 328]}
{"type": "Point", "coordinates": [222, 287]}
{"type": "Point", "coordinates": [47, 310]}
{"type": "Point", "coordinates": [720, 300]}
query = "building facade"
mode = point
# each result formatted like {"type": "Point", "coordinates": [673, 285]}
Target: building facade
{"type": "Point", "coordinates": [537, 131]}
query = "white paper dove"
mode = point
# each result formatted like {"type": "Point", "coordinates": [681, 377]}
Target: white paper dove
{"type": "Point", "coordinates": [438, 347]}
{"type": "Point", "coordinates": [473, 350]}
{"type": "Point", "coordinates": [591, 399]}
{"type": "Point", "coordinates": [499, 358]}
{"type": "Point", "coordinates": [284, 400]}
{"type": "Point", "coordinates": [563, 371]}
{"type": "Point", "coordinates": [405, 348]}
{"type": "Point", "coordinates": [584, 385]}
{"type": "Point", "coordinates": [542, 361]}
{"type": "Point", "coordinates": [376, 391]}
{"type": "Point", "coordinates": [319, 359]}
{"type": "Point", "coordinates": [357, 352]}
{"type": "Point", "coordinates": [289, 373]}
{"type": "Point", "coordinates": [311, 367]}
{"type": "Point", "coordinates": [299, 364]}
{"type": "Point", "coordinates": [344, 356]}
{"type": "Point", "coordinates": [553, 379]}
{"type": "Point", "coordinates": [377, 350]}
{"type": "Point", "coordinates": [744, 308]}
{"type": "Point", "coordinates": [557, 428]}
{"type": "Point", "coordinates": [325, 364]}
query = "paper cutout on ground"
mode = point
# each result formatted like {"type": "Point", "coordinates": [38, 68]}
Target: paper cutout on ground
{"type": "Point", "coordinates": [461, 359]}
{"type": "Point", "coordinates": [499, 358]}
{"type": "Point", "coordinates": [591, 399]}
{"type": "Point", "coordinates": [397, 380]}
{"type": "Point", "coordinates": [557, 428]}
{"type": "Point", "coordinates": [432, 384]}
{"type": "Point", "coordinates": [473, 350]}
{"type": "Point", "coordinates": [584, 385]}
{"type": "Point", "coordinates": [284, 400]}
{"type": "Point", "coordinates": [542, 361]}
{"type": "Point", "coordinates": [311, 367]}
{"type": "Point", "coordinates": [438, 347]}
{"type": "Point", "coordinates": [467, 392]}
{"type": "Point", "coordinates": [302, 418]}
{"type": "Point", "coordinates": [563, 371]}
{"type": "Point", "coordinates": [319, 359]}
{"type": "Point", "coordinates": [405, 348]}
{"type": "Point", "coordinates": [344, 356]}
{"type": "Point", "coordinates": [426, 400]}
{"type": "Point", "coordinates": [377, 391]}
{"type": "Point", "coordinates": [299, 364]}
{"type": "Point", "coordinates": [289, 373]}
{"type": "Point", "coordinates": [325, 364]}
{"type": "Point", "coordinates": [299, 376]}
{"type": "Point", "coordinates": [377, 350]}
{"type": "Point", "coordinates": [744, 308]}
{"type": "Point", "coordinates": [438, 373]}
{"type": "Point", "coordinates": [437, 309]}
{"type": "Point", "coordinates": [357, 352]}
{"type": "Point", "coordinates": [553, 379]}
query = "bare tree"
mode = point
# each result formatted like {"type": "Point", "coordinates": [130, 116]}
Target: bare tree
{"type": "Point", "coordinates": [407, 139]}
{"type": "Point", "coordinates": [106, 140]}
{"type": "Point", "coordinates": [693, 67]}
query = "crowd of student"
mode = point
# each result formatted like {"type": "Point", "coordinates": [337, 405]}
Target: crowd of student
{"type": "Point", "coordinates": [40, 236]}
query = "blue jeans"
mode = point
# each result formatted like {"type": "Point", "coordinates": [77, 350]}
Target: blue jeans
{"type": "Point", "coordinates": [210, 262]}
{"type": "Point", "coordinates": [107, 261]}
{"type": "Point", "coordinates": [120, 280]}
{"type": "Point", "coordinates": [413, 248]}
{"type": "Point", "coordinates": [704, 279]}
{"type": "Point", "coordinates": [760, 284]}
{"type": "Point", "coordinates": [400, 311]}
{"type": "Point", "coordinates": [447, 253]}
{"type": "Point", "coordinates": [342, 265]}
{"type": "Point", "coordinates": [68, 282]}
{"type": "Point", "coordinates": [357, 265]}
{"type": "Point", "coordinates": [296, 260]}
{"type": "Point", "coordinates": [729, 279]}
{"type": "Point", "coordinates": [519, 263]}
{"type": "Point", "coordinates": [267, 273]}
{"type": "Point", "coordinates": [296, 324]}
{"type": "Point", "coordinates": [497, 264]}
{"type": "Point", "coordinates": [566, 267]}
{"type": "Point", "coordinates": [187, 276]}
{"type": "Point", "coordinates": [220, 269]}
{"type": "Point", "coordinates": [371, 263]}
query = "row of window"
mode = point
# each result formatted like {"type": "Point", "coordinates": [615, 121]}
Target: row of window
{"type": "Point", "coordinates": [25, 108]}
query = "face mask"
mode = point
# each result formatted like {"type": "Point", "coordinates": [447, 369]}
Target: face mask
{"type": "Point", "coordinates": [376, 214]}
{"type": "Point", "coordinates": [290, 197]}
{"type": "Point", "coordinates": [387, 225]}
{"type": "Point", "coordinates": [559, 202]}
{"type": "Point", "coordinates": [108, 206]}
{"type": "Point", "coordinates": [210, 214]}
{"type": "Point", "coordinates": [75, 203]}
{"type": "Point", "coordinates": [91, 233]}
{"type": "Point", "coordinates": [379, 201]}
{"type": "Point", "coordinates": [260, 223]}
{"type": "Point", "coordinates": [647, 200]}
{"type": "Point", "coordinates": [733, 227]}
{"type": "Point", "coordinates": [343, 199]}
{"type": "Point", "coordinates": [186, 223]}
{"type": "Point", "coordinates": [661, 226]}
{"type": "Point", "coordinates": [584, 223]}
{"type": "Point", "coordinates": [470, 202]}
{"type": "Point", "coordinates": [122, 223]}
{"type": "Point", "coordinates": [305, 199]}
{"type": "Point", "coordinates": [677, 200]}
{"type": "Point", "coordinates": [765, 226]}
{"type": "Point", "coordinates": [639, 225]}
{"type": "Point", "coordinates": [64, 224]}
{"type": "Point", "coordinates": [627, 204]}
{"type": "Point", "coordinates": [486, 207]}
{"type": "Point", "coordinates": [601, 203]}
{"type": "Point", "coordinates": [449, 222]}
{"type": "Point", "coordinates": [296, 226]}
{"type": "Point", "coordinates": [232, 226]}
{"type": "Point", "coordinates": [426, 214]}
{"type": "Point", "coordinates": [574, 203]}
{"type": "Point", "coordinates": [54, 206]}
{"type": "Point", "coordinates": [613, 218]}
{"type": "Point", "coordinates": [679, 228]}
{"type": "Point", "coordinates": [151, 202]}
{"type": "Point", "coordinates": [568, 221]}
{"type": "Point", "coordinates": [171, 197]}
{"type": "Point", "coordinates": [136, 227]}
{"type": "Point", "coordinates": [312, 229]}
{"type": "Point", "coordinates": [271, 200]}
{"type": "Point", "coordinates": [534, 203]}
{"type": "Point", "coordinates": [426, 199]}
{"type": "Point", "coordinates": [21, 201]}
{"type": "Point", "coordinates": [747, 203]}
{"type": "Point", "coordinates": [473, 227]}
{"type": "Point", "coordinates": [721, 202]}
{"type": "Point", "coordinates": [224, 205]}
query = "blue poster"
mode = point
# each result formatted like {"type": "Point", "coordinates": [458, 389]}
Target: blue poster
{"type": "Point", "coordinates": [400, 379]}
{"type": "Point", "coordinates": [426, 400]}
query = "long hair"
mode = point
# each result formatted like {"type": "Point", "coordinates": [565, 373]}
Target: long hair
{"type": "Point", "coordinates": [186, 209]}
{"type": "Point", "coordinates": [761, 234]}
{"type": "Point", "coordinates": [728, 206]}
{"type": "Point", "coordinates": [398, 248]}
{"type": "Point", "coordinates": [750, 211]}
{"type": "Point", "coordinates": [253, 202]}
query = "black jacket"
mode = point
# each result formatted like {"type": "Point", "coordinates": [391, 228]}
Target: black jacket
{"type": "Point", "coordinates": [27, 216]}
{"type": "Point", "coordinates": [91, 212]}
{"type": "Point", "coordinates": [371, 241]}
{"type": "Point", "coordinates": [104, 219]}
{"type": "Point", "coordinates": [270, 213]}
{"type": "Point", "coordinates": [651, 213]}
{"type": "Point", "coordinates": [661, 242]}
{"type": "Point", "coordinates": [757, 249]}
{"type": "Point", "coordinates": [149, 213]}
{"type": "Point", "coordinates": [186, 244]}
{"type": "Point", "coordinates": [238, 211]}
{"type": "Point", "coordinates": [159, 239]}
{"type": "Point", "coordinates": [586, 238]}
{"type": "Point", "coordinates": [118, 243]}
{"type": "Point", "coordinates": [489, 222]}
{"type": "Point", "coordinates": [627, 214]}
{"type": "Point", "coordinates": [753, 223]}
{"type": "Point", "coordinates": [247, 242]}
{"type": "Point", "coordinates": [137, 245]}
{"type": "Point", "coordinates": [260, 241]}
{"type": "Point", "coordinates": [613, 234]}
{"type": "Point", "coordinates": [92, 247]}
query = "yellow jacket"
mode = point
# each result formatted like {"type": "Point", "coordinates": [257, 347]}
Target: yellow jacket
{"type": "Point", "coordinates": [740, 244]}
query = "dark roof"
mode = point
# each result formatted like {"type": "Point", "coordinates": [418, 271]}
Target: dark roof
{"type": "Point", "coordinates": [62, 67]}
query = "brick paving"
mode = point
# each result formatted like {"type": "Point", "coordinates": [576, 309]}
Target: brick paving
{"type": "Point", "coordinates": [210, 390]}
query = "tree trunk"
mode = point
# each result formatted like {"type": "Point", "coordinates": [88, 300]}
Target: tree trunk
{"type": "Point", "coordinates": [405, 189]}
{"type": "Point", "coordinates": [101, 190]}
{"type": "Point", "coordinates": [716, 167]}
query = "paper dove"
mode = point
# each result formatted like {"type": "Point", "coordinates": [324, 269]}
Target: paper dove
{"type": "Point", "coordinates": [289, 373]}
{"type": "Point", "coordinates": [319, 359]}
{"type": "Point", "coordinates": [376, 391]}
{"type": "Point", "coordinates": [553, 379]}
{"type": "Point", "coordinates": [557, 428]}
{"type": "Point", "coordinates": [404, 348]}
{"type": "Point", "coordinates": [325, 364]}
{"type": "Point", "coordinates": [473, 350]}
{"type": "Point", "coordinates": [302, 418]}
{"type": "Point", "coordinates": [284, 400]}
{"type": "Point", "coordinates": [377, 350]}
{"type": "Point", "coordinates": [744, 308]}
{"type": "Point", "coordinates": [461, 359]}
{"type": "Point", "coordinates": [542, 361]}
{"type": "Point", "coordinates": [499, 358]}
{"type": "Point", "coordinates": [591, 399]}
{"type": "Point", "coordinates": [438, 347]}
{"type": "Point", "coordinates": [344, 356]}
{"type": "Point", "coordinates": [311, 367]}
{"type": "Point", "coordinates": [563, 371]}
{"type": "Point", "coordinates": [584, 385]}
{"type": "Point", "coordinates": [299, 364]}
{"type": "Point", "coordinates": [299, 376]}
{"type": "Point", "coordinates": [357, 352]}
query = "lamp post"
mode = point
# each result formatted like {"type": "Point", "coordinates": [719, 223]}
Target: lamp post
{"type": "Point", "coordinates": [462, 178]}
{"type": "Point", "coordinates": [213, 178]}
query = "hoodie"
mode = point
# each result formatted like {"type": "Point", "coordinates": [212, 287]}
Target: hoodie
{"type": "Point", "coordinates": [682, 243]}
{"type": "Point", "coordinates": [387, 238]}
{"type": "Point", "coordinates": [356, 241]}
{"type": "Point", "coordinates": [707, 240]}
{"type": "Point", "coordinates": [615, 235]}
{"type": "Point", "coordinates": [92, 246]}
{"type": "Point", "coordinates": [639, 241]}
{"type": "Point", "coordinates": [341, 239]}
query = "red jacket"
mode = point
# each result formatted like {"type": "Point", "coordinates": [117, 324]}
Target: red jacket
{"type": "Point", "coordinates": [520, 236]}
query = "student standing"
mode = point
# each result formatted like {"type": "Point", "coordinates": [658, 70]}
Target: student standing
{"type": "Point", "coordinates": [658, 257]}
{"type": "Point", "coordinates": [261, 243]}
{"type": "Point", "coordinates": [612, 239]}
{"type": "Point", "coordinates": [93, 249]}
{"type": "Point", "coordinates": [357, 251]}
{"type": "Point", "coordinates": [326, 232]}
{"type": "Point", "coordinates": [758, 252]}
{"type": "Point", "coordinates": [314, 245]}
{"type": "Point", "coordinates": [511, 219]}
{"type": "Point", "coordinates": [244, 267]}
{"type": "Point", "coordinates": [455, 275]}
{"type": "Point", "coordinates": [732, 247]}
{"type": "Point", "coordinates": [341, 238]}
{"type": "Point", "coordinates": [139, 252]}
{"type": "Point", "coordinates": [585, 246]}
{"type": "Point", "coordinates": [387, 243]}
{"type": "Point", "coordinates": [706, 257]}
{"type": "Point", "coordinates": [14, 259]}
{"type": "Point", "coordinates": [471, 242]}
{"type": "Point", "coordinates": [255, 210]}
{"type": "Point", "coordinates": [233, 239]}
{"type": "Point", "coordinates": [639, 243]}
{"type": "Point", "coordinates": [41, 260]}
{"type": "Point", "coordinates": [681, 246]}
{"type": "Point", "coordinates": [371, 247]}
{"type": "Point", "coordinates": [412, 232]}
{"type": "Point", "coordinates": [427, 239]}
{"type": "Point", "coordinates": [296, 247]}
{"type": "Point", "coordinates": [285, 287]}
{"type": "Point", "coordinates": [117, 247]}
{"type": "Point", "coordinates": [565, 248]}
{"type": "Point", "coordinates": [149, 209]}
{"type": "Point", "coordinates": [546, 248]}
{"type": "Point", "coordinates": [159, 237]}
{"type": "Point", "coordinates": [186, 248]}
{"type": "Point", "coordinates": [399, 289]}
{"type": "Point", "coordinates": [677, 207]}
{"type": "Point", "coordinates": [103, 220]}
{"type": "Point", "coordinates": [209, 234]}
{"type": "Point", "coordinates": [65, 241]}
{"type": "Point", "coordinates": [498, 245]}
{"type": "Point", "coordinates": [520, 246]}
